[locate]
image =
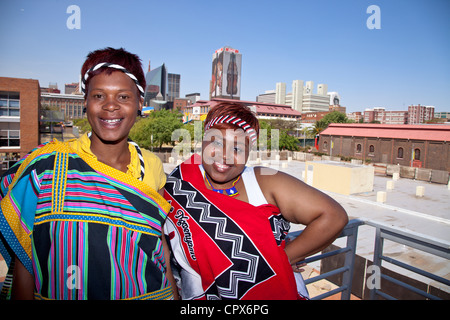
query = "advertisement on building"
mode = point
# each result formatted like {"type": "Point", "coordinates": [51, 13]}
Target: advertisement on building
{"type": "Point", "coordinates": [226, 74]}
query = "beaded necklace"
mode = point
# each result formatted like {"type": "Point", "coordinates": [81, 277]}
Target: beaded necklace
{"type": "Point", "coordinates": [232, 192]}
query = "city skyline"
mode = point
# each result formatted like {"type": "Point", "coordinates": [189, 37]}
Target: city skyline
{"type": "Point", "coordinates": [403, 63]}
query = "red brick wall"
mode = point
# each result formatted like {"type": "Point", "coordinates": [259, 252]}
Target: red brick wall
{"type": "Point", "coordinates": [433, 154]}
{"type": "Point", "coordinates": [29, 111]}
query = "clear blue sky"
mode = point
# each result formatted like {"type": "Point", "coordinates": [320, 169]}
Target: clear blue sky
{"type": "Point", "coordinates": [405, 62]}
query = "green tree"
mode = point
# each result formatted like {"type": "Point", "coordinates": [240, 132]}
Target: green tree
{"type": "Point", "coordinates": [288, 142]}
{"type": "Point", "coordinates": [157, 129]}
{"type": "Point", "coordinates": [83, 125]}
{"type": "Point", "coordinates": [335, 117]}
{"type": "Point", "coordinates": [332, 117]}
{"type": "Point", "coordinates": [318, 127]}
{"type": "Point", "coordinates": [268, 132]}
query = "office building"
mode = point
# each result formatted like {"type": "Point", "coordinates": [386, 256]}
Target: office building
{"type": "Point", "coordinates": [420, 114]}
{"type": "Point", "coordinates": [173, 81]}
{"type": "Point", "coordinates": [72, 88]}
{"type": "Point", "coordinates": [52, 88]}
{"type": "Point", "coordinates": [70, 106]}
{"type": "Point", "coordinates": [315, 103]}
{"type": "Point", "coordinates": [380, 115]}
{"type": "Point", "coordinates": [193, 97]}
{"type": "Point", "coordinates": [280, 93]}
{"type": "Point", "coordinates": [297, 95]}
{"type": "Point", "coordinates": [19, 119]}
{"type": "Point", "coordinates": [445, 116]}
{"type": "Point", "coordinates": [355, 116]}
{"type": "Point", "coordinates": [267, 97]}
{"type": "Point", "coordinates": [302, 98]}
{"type": "Point", "coordinates": [156, 80]}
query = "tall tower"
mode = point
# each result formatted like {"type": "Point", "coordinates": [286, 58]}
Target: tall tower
{"type": "Point", "coordinates": [280, 93]}
{"type": "Point", "coordinates": [173, 84]}
{"type": "Point", "coordinates": [226, 74]}
{"type": "Point", "coordinates": [322, 89]}
{"type": "Point", "coordinates": [156, 83]}
{"type": "Point", "coordinates": [297, 95]}
{"type": "Point", "coordinates": [309, 87]}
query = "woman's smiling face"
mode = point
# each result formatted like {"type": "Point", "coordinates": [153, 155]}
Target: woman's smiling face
{"type": "Point", "coordinates": [111, 106]}
{"type": "Point", "coordinates": [224, 154]}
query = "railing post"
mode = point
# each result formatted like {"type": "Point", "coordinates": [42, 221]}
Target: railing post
{"type": "Point", "coordinates": [347, 276]}
{"type": "Point", "coordinates": [378, 252]}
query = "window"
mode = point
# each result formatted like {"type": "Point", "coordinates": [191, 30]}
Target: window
{"type": "Point", "coordinates": [416, 154]}
{"type": "Point", "coordinates": [371, 148]}
{"type": "Point", "coordinates": [358, 148]}
{"type": "Point", "coordinates": [400, 153]}
{"type": "Point", "coordinates": [9, 104]}
{"type": "Point", "coordinates": [325, 145]}
{"type": "Point", "coordinates": [9, 134]}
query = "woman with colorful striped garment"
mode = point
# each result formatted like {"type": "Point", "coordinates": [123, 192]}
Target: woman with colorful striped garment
{"type": "Point", "coordinates": [83, 219]}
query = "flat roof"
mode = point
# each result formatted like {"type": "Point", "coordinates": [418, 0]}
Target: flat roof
{"type": "Point", "coordinates": [261, 107]}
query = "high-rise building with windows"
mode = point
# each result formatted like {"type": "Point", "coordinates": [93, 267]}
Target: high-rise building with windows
{"type": "Point", "coordinates": [420, 114]}
{"type": "Point", "coordinates": [156, 80]}
{"type": "Point", "coordinates": [297, 95]}
{"type": "Point", "coordinates": [302, 98]}
{"type": "Point", "coordinates": [280, 93]}
{"type": "Point", "coordinates": [173, 82]}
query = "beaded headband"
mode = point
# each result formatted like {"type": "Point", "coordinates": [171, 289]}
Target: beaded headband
{"type": "Point", "coordinates": [111, 65]}
{"type": "Point", "coordinates": [235, 121]}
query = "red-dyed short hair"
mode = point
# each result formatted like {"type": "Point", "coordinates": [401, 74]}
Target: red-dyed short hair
{"type": "Point", "coordinates": [236, 109]}
{"type": "Point", "coordinates": [128, 60]}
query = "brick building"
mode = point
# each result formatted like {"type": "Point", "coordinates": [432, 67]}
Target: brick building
{"type": "Point", "coordinates": [424, 146]}
{"type": "Point", "coordinates": [19, 118]}
{"type": "Point", "coordinates": [420, 114]}
{"type": "Point", "coordinates": [312, 117]}
{"type": "Point", "coordinates": [69, 105]}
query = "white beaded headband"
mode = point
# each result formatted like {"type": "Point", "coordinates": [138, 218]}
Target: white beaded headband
{"type": "Point", "coordinates": [236, 121]}
{"type": "Point", "coordinates": [110, 65]}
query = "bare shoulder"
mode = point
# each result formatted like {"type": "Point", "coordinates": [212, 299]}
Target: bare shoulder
{"type": "Point", "coordinates": [273, 183]}
{"type": "Point", "coordinates": [298, 202]}
{"type": "Point", "coordinates": [268, 177]}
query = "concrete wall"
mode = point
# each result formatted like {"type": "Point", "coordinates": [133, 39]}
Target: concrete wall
{"type": "Point", "coordinates": [422, 174]}
{"type": "Point", "coordinates": [341, 178]}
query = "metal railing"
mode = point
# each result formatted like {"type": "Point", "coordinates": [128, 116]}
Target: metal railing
{"type": "Point", "coordinates": [413, 240]}
{"type": "Point", "coordinates": [351, 232]}
{"type": "Point", "coordinates": [416, 241]}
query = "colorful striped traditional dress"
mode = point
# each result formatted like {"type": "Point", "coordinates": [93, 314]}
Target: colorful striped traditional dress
{"type": "Point", "coordinates": [85, 230]}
